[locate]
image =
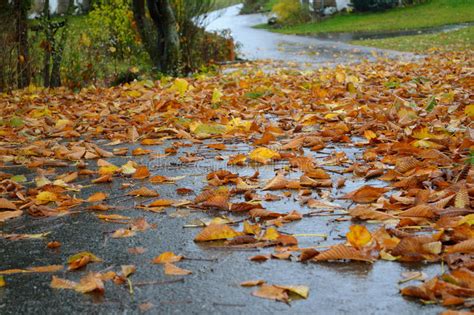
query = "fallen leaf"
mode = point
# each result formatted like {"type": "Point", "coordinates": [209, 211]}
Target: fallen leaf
{"type": "Point", "coordinates": [99, 196]}
{"type": "Point", "coordinates": [167, 257]}
{"type": "Point", "coordinates": [366, 194]}
{"type": "Point", "coordinates": [271, 292]}
{"type": "Point", "coordinates": [172, 270]}
{"type": "Point", "coordinates": [252, 283]}
{"type": "Point", "coordinates": [263, 155]}
{"type": "Point", "coordinates": [216, 232]}
{"type": "Point", "coordinates": [358, 236]}
{"type": "Point", "coordinates": [59, 283]}
{"type": "Point", "coordinates": [143, 192]}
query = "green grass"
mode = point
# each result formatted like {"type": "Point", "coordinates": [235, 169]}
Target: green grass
{"type": "Point", "coordinates": [451, 41]}
{"type": "Point", "coordinates": [269, 5]}
{"type": "Point", "coordinates": [432, 13]}
{"type": "Point", "coordinates": [220, 4]}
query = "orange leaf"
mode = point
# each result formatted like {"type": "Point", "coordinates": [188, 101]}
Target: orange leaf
{"type": "Point", "coordinates": [99, 196]}
{"type": "Point", "coordinates": [167, 257]}
{"type": "Point", "coordinates": [59, 283]}
{"type": "Point", "coordinates": [142, 172]}
{"type": "Point", "coordinates": [252, 283]}
{"type": "Point", "coordinates": [7, 204]}
{"type": "Point", "coordinates": [143, 192]}
{"type": "Point", "coordinates": [271, 292]}
{"type": "Point", "coordinates": [161, 203]}
{"type": "Point", "coordinates": [216, 232]}
{"type": "Point", "coordinates": [172, 270]}
{"type": "Point", "coordinates": [91, 283]}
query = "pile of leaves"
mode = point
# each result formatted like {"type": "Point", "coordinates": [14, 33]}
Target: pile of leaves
{"type": "Point", "coordinates": [411, 122]}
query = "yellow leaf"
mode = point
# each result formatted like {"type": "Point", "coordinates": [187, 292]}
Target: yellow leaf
{"type": "Point", "coordinates": [369, 135]}
{"type": "Point", "coordinates": [108, 169]}
{"type": "Point", "coordinates": [216, 96]}
{"type": "Point", "coordinates": [300, 290]}
{"type": "Point", "coordinates": [358, 236]}
{"type": "Point", "coordinates": [128, 168]}
{"type": "Point", "coordinates": [263, 155]}
{"type": "Point", "coordinates": [181, 86]}
{"type": "Point", "coordinates": [251, 229]}
{"type": "Point", "coordinates": [45, 197]}
{"type": "Point", "coordinates": [469, 110]}
{"type": "Point", "coordinates": [2, 282]}
{"type": "Point", "coordinates": [271, 234]}
{"type": "Point", "coordinates": [469, 219]}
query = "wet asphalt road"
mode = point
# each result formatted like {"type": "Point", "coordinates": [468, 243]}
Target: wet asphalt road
{"type": "Point", "coordinates": [309, 52]}
{"type": "Point", "coordinates": [213, 288]}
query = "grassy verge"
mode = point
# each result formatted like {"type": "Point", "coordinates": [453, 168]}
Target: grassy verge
{"type": "Point", "coordinates": [460, 40]}
{"type": "Point", "coordinates": [220, 4]}
{"type": "Point", "coordinates": [432, 13]}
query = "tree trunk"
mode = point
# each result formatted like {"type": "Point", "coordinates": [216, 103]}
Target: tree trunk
{"type": "Point", "coordinates": [23, 66]}
{"type": "Point", "coordinates": [47, 46]}
{"type": "Point", "coordinates": [165, 51]}
{"type": "Point", "coordinates": [146, 33]}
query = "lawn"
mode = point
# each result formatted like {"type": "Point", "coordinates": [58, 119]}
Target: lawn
{"type": "Point", "coordinates": [220, 4]}
{"type": "Point", "coordinates": [432, 13]}
{"type": "Point", "coordinates": [454, 41]}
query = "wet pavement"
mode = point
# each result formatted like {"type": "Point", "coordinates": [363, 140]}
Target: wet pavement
{"type": "Point", "coordinates": [311, 51]}
{"type": "Point", "coordinates": [335, 288]}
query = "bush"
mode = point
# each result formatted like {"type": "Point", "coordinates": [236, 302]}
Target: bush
{"type": "Point", "coordinates": [374, 5]}
{"type": "Point", "coordinates": [253, 6]}
{"type": "Point", "coordinates": [290, 12]}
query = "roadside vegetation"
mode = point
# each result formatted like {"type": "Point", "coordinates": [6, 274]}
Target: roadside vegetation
{"type": "Point", "coordinates": [429, 14]}
{"type": "Point", "coordinates": [112, 42]}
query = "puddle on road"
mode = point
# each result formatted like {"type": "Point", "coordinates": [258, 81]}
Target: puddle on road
{"type": "Point", "coordinates": [351, 36]}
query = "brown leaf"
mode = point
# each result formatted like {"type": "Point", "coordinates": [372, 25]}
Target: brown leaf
{"type": "Point", "coordinates": [365, 213]}
{"type": "Point", "coordinates": [366, 194]}
{"type": "Point", "coordinates": [91, 283]}
{"type": "Point", "coordinates": [278, 182]}
{"type": "Point", "coordinates": [7, 215]}
{"type": "Point", "coordinates": [308, 253]}
{"type": "Point", "coordinates": [143, 192]}
{"type": "Point", "coordinates": [338, 252]}
{"type": "Point", "coordinates": [7, 204]}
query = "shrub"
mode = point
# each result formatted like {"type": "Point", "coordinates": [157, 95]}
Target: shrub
{"type": "Point", "coordinates": [290, 11]}
{"type": "Point", "coordinates": [374, 5]}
